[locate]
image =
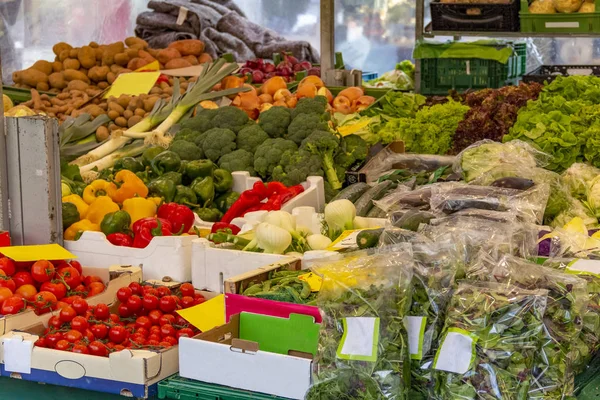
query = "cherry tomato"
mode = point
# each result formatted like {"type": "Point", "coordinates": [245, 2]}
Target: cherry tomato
{"type": "Point", "coordinates": [5, 293]}
{"type": "Point", "coordinates": [61, 304]}
{"type": "Point", "coordinates": [76, 265]}
{"type": "Point", "coordinates": [167, 304]}
{"type": "Point", "coordinates": [187, 289]}
{"type": "Point", "coordinates": [118, 334]}
{"type": "Point", "coordinates": [163, 291]}
{"type": "Point", "coordinates": [79, 323]}
{"type": "Point", "coordinates": [27, 292]}
{"type": "Point", "coordinates": [152, 342]}
{"type": "Point", "coordinates": [142, 331]}
{"type": "Point", "coordinates": [180, 321]}
{"type": "Point", "coordinates": [136, 288]}
{"type": "Point", "coordinates": [123, 294]}
{"type": "Point", "coordinates": [62, 345]}
{"type": "Point", "coordinates": [12, 305]}
{"type": "Point", "coordinates": [164, 344]}
{"type": "Point", "coordinates": [58, 289]}
{"type": "Point", "coordinates": [67, 314]}
{"type": "Point", "coordinates": [100, 331]}
{"type": "Point", "coordinates": [199, 300]}
{"type": "Point", "coordinates": [119, 347]}
{"type": "Point", "coordinates": [150, 302]}
{"type": "Point", "coordinates": [167, 330]}
{"type": "Point", "coordinates": [155, 329]}
{"type": "Point", "coordinates": [41, 342]}
{"type": "Point", "coordinates": [137, 339]}
{"type": "Point", "coordinates": [8, 266]}
{"type": "Point", "coordinates": [170, 339]}
{"type": "Point", "coordinates": [185, 332]}
{"type": "Point", "coordinates": [7, 282]}
{"type": "Point", "coordinates": [80, 306]}
{"type": "Point", "coordinates": [44, 302]}
{"type": "Point", "coordinates": [70, 276]}
{"type": "Point", "coordinates": [22, 278]}
{"type": "Point", "coordinates": [124, 311]}
{"type": "Point", "coordinates": [89, 335]}
{"type": "Point", "coordinates": [154, 337]}
{"type": "Point", "coordinates": [97, 348]}
{"type": "Point", "coordinates": [143, 322]}
{"type": "Point", "coordinates": [102, 312]}
{"type": "Point", "coordinates": [80, 349]}
{"type": "Point", "coordinates": [73, 336]}
{"type": "Point", "coordinates": [91, 278]}
{"type": "Point", "coordinates": [114, 318]}
{"type": "Point", "coordinates": [187, 301]}
{"type": "Point", "coordinates": [71, 299]}
{"type": "Point", "coordinates": [95, 288]}
{"type": "Point", "coordinates": [167, 319]}
{"type": "Point", "coordinates": [42, 271]}
{"type": "Point", "coordinates": [53, 338]}
{"type": "Point", "coordinates": [154, 316]}
{"type": "Point", "coordinates": [134, 303]}
{"type": "Point", "coordinates": [149, 290]}
{"type": "Point", "coordinates": [55, 322]}
{"type": "Point", "coordinates": [80, 289]}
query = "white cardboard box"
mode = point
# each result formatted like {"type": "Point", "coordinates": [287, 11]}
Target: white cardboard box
{"type": "Point", "coordinates": [165, 256]}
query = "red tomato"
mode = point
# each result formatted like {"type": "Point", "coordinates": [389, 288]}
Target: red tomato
{"type": "Point", "coordinates": [185, 332]}
{"type": "Point", "coordinates": [136, 288]}
{"type": "Point", "coordinates": [58, 289]}
{"type": "Point", "coordinates": [73, 336]}
{"type": "Point", "coordinates": [80, 289]}
{"type": "Point", "coordinates": [167, 319]}
{"type": "Point", "coordinates": [80, 306]}
{"type": "Point", "coordinates": [150, 302]}
{"type": "Point", "coordinates": [97, 348]}
{"type": "Point", "coordinates": [76, 265]}
{"type": "Point", "coordinates": [95, 288]}
{"type": "Point", "coordinates": [164, 344]}
{"type": "Point", "coordinates": [80, 349]}
{"type": "Point", "coordinates": [44, 302]}
{"type": "Point", "coordinates": [118, 334]}
{"type": "Point", "coordinates": [22, 278]}
{"type": "Point", "coordinates": [8, 266]}
{"type": "Point", "coordinates": [67, 314]}
{"type": "Point", "coordinates": [7, 282]}
{"type": "Point", "coordinates": [101, 312]}
{"type": "Point", "coordinates": [114, 318]}
{"type": "Point", "coordinates": [124, 311]}
{"type": "Point", "coordinates": [70, 276]}
{"type": "Point", "coordinates": [155, 329]}
{"type": "Point", "coordinates": [61, 304]}
{"type": "Point", "coordinates": [152, 342]}
{"type": "Point", "coordinates": [167, 304]}
{"type": "Point", "coordinates": [70, 299]}
{"type": "Point", "coordinates": [55, 322]}
{"type": "Point", "coordinates": [79, 323]}
{"type": "Point", "coordinates": [42, 271]}
{"type": "Point", "coordinates": [27, 292]}
{"type": "Point", "coordinates": [187, 289]}
{"type": "Point", "coordinates": [23, 265]}
{"type": "Point", "coordinates": [5, 293]}
{"type": "Point", "coordinates": [154, 316]}
{"type": "Point", "coordinates": [143, 322]}
{"type": "Point", "coordinates": [53, 338]}
{"type": "Point", "coordinates": [187, 301]}
{"type": "Point", "coordinates": [149, 290]}
{"type": "Point", "coordinates": [123, 294]}
{"type": "Point", "coordinates": [91, 278]}
{"type": "Point", "coordinates": [41, 342]}
{"type": "Point", "coordinates": [171, 340]}
{"type": "Point", "coordinates": [199, 300]}
{"type": "Point", "coordinates": [12, 305]}
{"type": "Point", "coordinates": [119, 347]}
{"type": "Point", "coordinates": [153, 337]}
{"type": "Point", "coordinates": [180, 321]}
{"type": "Point", "coordinates": [167, 330]}
{"type": "Point", "coordinates": [137, 339]}
{"type": "Point", "coordinates": [143, 331]}
{"type": "Point", "coordinates": [163, 291]}
{"type": "Point", "coordinates": [134, 303]}
{"type": "Point", "coordinates": [88, 335]}
{"type": "Point", "coordinates": [100, 331]}
{"type": "Point", "coordinates": [62, 345]}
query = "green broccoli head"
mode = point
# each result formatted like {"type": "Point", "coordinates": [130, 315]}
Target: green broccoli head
{"type": "Point", "coordinates": [268, 155]}
{"type": "Point", "coordinates": [251, 137]}
{"type": "Point", "coordinates": [231, 118]}
{"type": "Point", "coordinates": [275, 121]}
{"type": "Point", "coordinates": [187, 134]}
{"type": "Point", "coordinates": [238, 160]}
{"type": "Point", "coordinates": [307, 105]}
{"type": "Point", "coordinates": [202, 121]}
{"type": "Point", "coordinates": [304, 125]}
{"type": "Point", "coordinates": [186, 150]}
{"type": "Point", "coordinates": [353, 149]}
{"type": "Point", "coordinates": [325, 145]}
{"type": "Point", "coordinates": [296, 166]}
{"type": "Point", "coordinates": [218, 142]}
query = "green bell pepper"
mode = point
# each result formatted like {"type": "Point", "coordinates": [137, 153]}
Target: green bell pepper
{"type": "Point", "coordinates": [172, 176]}
{"type": "Point", "coordinates": [209, 214]}
{"type": "Point", "coordinates": [70, 215]}
{"type": "Point", "coordinates": [204, 189]}
{"type": "Point", "coordinates": [128, 163]}
{"type": "Point", "coordinates": [224, 201]}
{"type": "Point", "coordinates": [185, 195]}
{"type": "Point", "coordinates": [198, 169]}
{"type": "Point", "coordinates": [163, 188]}
{"type": "Point", "coordinates": [223, 180]}
{"type": "Point", "coordinates": [166, 161]}
{"type": "Point", "coordinates": [75, 187]}
{"type": "Point", "coordinates": [115, 222]}
{"type": "Point", "coordinates": [143, 176]}
{"type": "Point", "coordinates": [149, 154]}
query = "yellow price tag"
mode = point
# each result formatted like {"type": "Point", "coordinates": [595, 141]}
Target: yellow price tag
{"type": "Point", "coordinates": [207, 315]}
{"type": "Point", "coordinates": [37, 252]}
{"type": "Point", "coordinates": [153, 66]}
{"type": "Point", "coordinates": [315, 281]}
{"type": "Point", "coordinates": [133, 84]}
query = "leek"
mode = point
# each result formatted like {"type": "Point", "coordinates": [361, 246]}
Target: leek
{"type": "Point", "coordinates": [90, 171]}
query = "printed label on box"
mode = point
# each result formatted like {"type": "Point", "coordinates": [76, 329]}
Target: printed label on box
{"type": "Point", "coordinates": [584, 267]}
{"type": "Point", "coordinates": [415, 326]}
{"type": "Point", "coordinates": [456, 352]}
{"type": "Point", "coordinates": [360, 339]}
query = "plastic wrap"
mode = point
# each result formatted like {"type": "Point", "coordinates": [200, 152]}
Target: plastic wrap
{"type": "Point", "coordinates": [553, 368]}
{"type": "Point", "coordinates": [403, 199]}
{"type": "Point", "coordinates": [589, 270]}
{"type": "Point", "coordinates": [358, 290]}
{"type": "Point", "coordinates": [451, 197]}
{"type": "Point", "coordinates": [504, 324]}
{"type": "Point", "coordinates": [392, 237]}
{"type": "Point", "coordinates": [578, 177]}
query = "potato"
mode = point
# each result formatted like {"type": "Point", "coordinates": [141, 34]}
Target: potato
{"type": "Point", "coordinates": [191, 59]}
{"type": "Point", "coordinates": [93, 110]}
{"type": "Point", "coordinates": [124, 71]}
{"type": "Point", "coordinates": [156, 90]}
{"type": "Point", "coordinates": [57, 80]}
{"type": "Point", "coordinates": [205, 58]}
{"type": "Point", "coordinates": [112, 114]}
{"type": "Point", "coordinates": [87, 57]}
{"type": "Point", "coordinates": [73, 53]}
{"type": "Point", "coordinates": [57, 66]}
{"type": "Point", "coordinates": [103, 105]}
{"type": "Point", "coordinates": [63, 55]}
{"type": "Point", "coordinates": [72, 75]}
{"type": "Point", "coordinates": [71, 63]}
{"type": "Point", "coordinates": [127, 114]}
{"type": "Point", "coordinates": [141, 111]}
{"type": "Point", "coordinates": [131, 53]}
{"type": "Point", "coordinates": [122, 122]}
{"type": "Point", "coordinates": [188, 47]}
{"type": "Point", "coordinates": [98, 74]}
{"type": "Point", "coordinates": [110, 51]}
{"type": "Point", "coordinates": [110, 77]}
{"type": "Point", "coordinates": [99, 53]}
{"type": "Point", "coordinates": [42, 86]}
{"type": "Point", "coordinates": [32, 77]}
{"type": "Point", "coordinates": [121, 59]}
{"type": "Point", "coordinates": [112, 127]}
{"type": "Point", "coordinates": [154, 52]}
{"type": "Point", "coordinates": [134, 41]}
{"type": "Point", "coordinates": [123, 101]}
{"type": "Point", "coordinates": [94, 45]}
{"type": "Point", "coordinates": [166, 55]}
{"type": "Point", "coordinates": [60, 47]}
{"type": "Point", "coordinates": [131, 121]}
{"type": "Point", "coordinates": [102, 85]}
{"type": "Point", "coordinates": [136, 63]}
{"type": "Point", "coordinates": [177, 63]}
{"type": "Point", "coordinates": [102, 133]}
{"type": "Point", "coordinates": [43, 66]}
{"type": "Point", "coordinates": [113, 105]}
{"type": "Point", "coordinates": [77, 85]}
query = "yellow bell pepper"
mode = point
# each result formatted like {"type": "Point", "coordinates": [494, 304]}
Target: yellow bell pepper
{"type": "Point", "coordinates": [131, 186]}
{"type": "Point", "coordinates": [99, 208]}
{"type": "Point", "coordinates": [81, 226]}
{"type": "Point", "coordinates": [98, 188]}
{"type": "Point", "coordinates": [139, 208]}
{"type": "Point", "coordinates": [156, 200]}
{"type": "Point", "coordinates": [81, 205]}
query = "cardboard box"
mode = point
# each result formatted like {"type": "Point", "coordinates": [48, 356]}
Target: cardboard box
{"type": "Point", "coordinates": [116, 276]}
{"type": "Point", "coordinates": [261, 274]}
{"type": "Point", "coordinates": [364, 172]}
{"type": "Point", "coordinates": [254, 352]}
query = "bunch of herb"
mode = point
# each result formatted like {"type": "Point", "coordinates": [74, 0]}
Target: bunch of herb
{"type": "Point", "coordinates": [375, 286]}
{"type": "Point", "coordinates": [507, 325]}
{"type": "Point", "coordinates": [553, 368]}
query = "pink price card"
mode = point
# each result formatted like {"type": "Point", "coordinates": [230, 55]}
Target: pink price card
{"type": "Point", "coordinates": [236, 304]}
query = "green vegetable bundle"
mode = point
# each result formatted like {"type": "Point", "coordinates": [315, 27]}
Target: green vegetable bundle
{"type": "Point", "coordinates": [360, 288]}
{"type": "Point", "coordinates": [282, 286]}
{"type": "Point", "coordinates": [506, 328]}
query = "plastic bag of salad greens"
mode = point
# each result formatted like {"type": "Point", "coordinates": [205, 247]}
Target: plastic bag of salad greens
{"type": "Point", "coordinates": [573, 240]}
{"type": "Point", "coordinates": [363, 345]}
{"type": "Point", "coordinates": [451, 197]}
{"type": "Point", "coordinates": [437, 267]}
{"type": "Point", "coordinates": [589, 270]}
{"type": "Point", "coordinates": [487, 347]}
{"type": "Point", "coordinates": [553, 368]}
{"type": "Point", "coordinates": [578, 177]}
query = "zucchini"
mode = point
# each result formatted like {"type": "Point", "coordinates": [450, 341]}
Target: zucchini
{"type": "Point", "coordinates": [365, 202]}
{"type": "Point", "coordinates": [412, 219]}
{"type": "Point", "coordinates": [368, 238]}
{"type": "Point", "coordinates": [352, 192]}
{"type": "Point", "coordinates": [376, 212]}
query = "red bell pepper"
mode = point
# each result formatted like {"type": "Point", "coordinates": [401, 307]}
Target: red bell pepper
{"type": "Point", "coordinates": [224, 227]}
{"type": "Point", "coordinates": [247, 199]}
{"type": "Point", "coordinates": [147, 228]}
{"type": "Point", "coordinates": [120, 239]}
{"type": "Point", "coordinates": [260, 190]}
{"type": "Point", "coordinates": [180, 217]}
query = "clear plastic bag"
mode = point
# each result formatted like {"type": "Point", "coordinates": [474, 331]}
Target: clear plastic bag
{"type": "Point", "coordinates": [578, 177]}
{"type": "Point", "coordinates": [553, 368]}
{"type": "Point", "coordinates": [403, 198]}
{"type": "Point", "coordinates": [506, 328]}
{"type": "Point", "coordinates": [364, 289]}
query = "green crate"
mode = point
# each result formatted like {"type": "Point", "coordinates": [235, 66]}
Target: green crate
{"type": "Point", "coordinates": [517, 65]}
{"type": "Point", "coordinates": [178, 388]}
{"type": "Point", "coordinates": [560, 22]}
{"type": "Point", "coordinates": [591, 391]}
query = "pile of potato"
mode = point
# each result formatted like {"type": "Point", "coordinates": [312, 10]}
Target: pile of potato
{"type": "Point", "coordinates": [97, 66]}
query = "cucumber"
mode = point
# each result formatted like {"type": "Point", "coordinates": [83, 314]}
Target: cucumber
{"type": "Point", "coordinates": [368, 238]}
{"type": "Point", "coordinates": [365, 202]}
{"type": "Point", "coordinates": [352, 192]}
{"type": "Point", "coordinates": [412, 219]}
{"type": "Point", "coordinates": [376, 212]}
